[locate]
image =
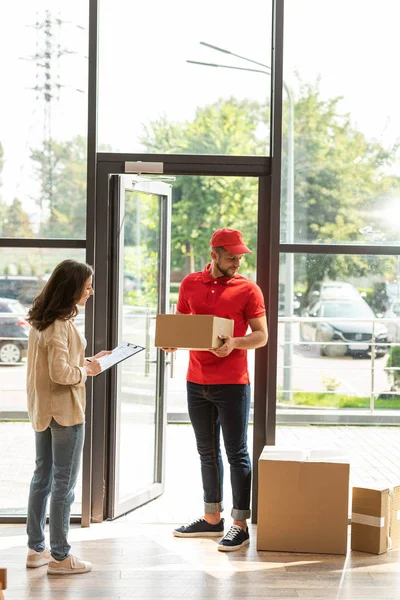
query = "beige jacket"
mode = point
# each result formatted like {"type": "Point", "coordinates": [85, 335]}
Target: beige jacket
{"type": "Point", "coordinates": [55, 377]}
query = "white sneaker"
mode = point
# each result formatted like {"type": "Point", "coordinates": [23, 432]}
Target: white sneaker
{"type": "Point", "coordinates": [37, 559]}
{"type": "Point", "coordinates": [72, 565]}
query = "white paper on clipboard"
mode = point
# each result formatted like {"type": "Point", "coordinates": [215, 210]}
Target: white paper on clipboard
{"type": "Point", "coordinates": [120, 353]}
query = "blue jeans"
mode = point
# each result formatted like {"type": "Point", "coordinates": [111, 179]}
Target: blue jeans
{"type": "Point", "coordinates": [58, 455]}
{"type": "Point", "coordinates": [226, 407]}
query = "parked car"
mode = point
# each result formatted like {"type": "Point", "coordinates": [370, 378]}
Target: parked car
{"type": "Point", "coordinates": [20, 287]}
{"type": "Point", "coordinates": [340, 338]}
{"type": "Point", "coordinates": [332, 290]}
{"type": "Point", "coordinates": [14, 331]}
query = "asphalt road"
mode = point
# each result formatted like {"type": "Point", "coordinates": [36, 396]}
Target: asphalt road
{"type": "Point", "coordinates": [309, 372]}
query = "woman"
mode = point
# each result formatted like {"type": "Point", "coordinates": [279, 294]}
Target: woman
{"type": "Point", "coordinates": [56, 376]}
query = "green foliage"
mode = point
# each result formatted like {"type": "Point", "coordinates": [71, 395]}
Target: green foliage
{"type": "Point", "coordinates": [393, 366]}
{"type": "Point", "coordinates": [323, 400]}
{"type": "Point", "coordinates": [141, 249]}
{"type": "Point", "coordinates": [16, 222]}
{"type": "Point", "coordinates": [61, 170]}
{"type": "Point", "coordinates": [339, 179]}
{"type": "Point", "coordinates": [377, 297]}
{"type": "Point", "coordinates": [203, 204]}
{"type": "Point", "coordinates": [330, 382]}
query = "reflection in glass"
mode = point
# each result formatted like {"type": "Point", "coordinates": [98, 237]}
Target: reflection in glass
{"type": "Point", "coordinates": [344, 314]}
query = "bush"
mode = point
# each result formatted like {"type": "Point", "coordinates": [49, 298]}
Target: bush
{"type": "Point", "coordinates": [392, 365]}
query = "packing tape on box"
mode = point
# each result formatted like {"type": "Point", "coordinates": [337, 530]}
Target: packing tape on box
{"type": "Point", "coordinates": [303, 454]}
{"type": "Point", "coordinates": [368, 520]}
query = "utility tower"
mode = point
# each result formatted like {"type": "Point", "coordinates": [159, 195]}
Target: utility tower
{"type": "Point", "coordinates": [47, 87]}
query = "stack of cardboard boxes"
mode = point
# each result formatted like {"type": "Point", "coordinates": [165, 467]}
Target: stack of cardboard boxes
{"type": "Point", "coordinates": [303, 500]}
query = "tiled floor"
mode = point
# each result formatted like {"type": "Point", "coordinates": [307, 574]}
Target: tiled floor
{"type": "Point", "coordinates": [137, 557]}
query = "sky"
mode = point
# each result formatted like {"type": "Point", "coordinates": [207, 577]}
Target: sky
{"type": "Point", "coordinates": [143, 72]}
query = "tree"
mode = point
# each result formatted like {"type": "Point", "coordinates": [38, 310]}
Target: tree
{"type": "Point", "coordinates": [340, 180]}
{"type": "Point", "coordinates": [62, 173]}
{"type": "Point", "coordinates": [16, 222]}
{"type": "Point", "coordinates": [340, 177]}
{"type": "Point", "coordinates": [202, 204]}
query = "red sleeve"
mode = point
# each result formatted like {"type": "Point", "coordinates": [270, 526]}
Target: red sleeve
{"type": "Point", "coordinates": [255, 306]}
{"type": "Point", "coordinates": [183, 306]}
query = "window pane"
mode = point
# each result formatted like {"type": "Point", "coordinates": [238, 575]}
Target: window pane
{"type": "Point", "coordinates": [339, 332]}
{"type": "Point", "coordinates": [341, 182]}
{"type": "Point", "coordinates": [152, 99]}
{"type": "Point", "coordinates": [43, 119]}
{"type": "Point", "coordinates": [200, 205]}
{"type": "Point", "coordinates": [23, 272]}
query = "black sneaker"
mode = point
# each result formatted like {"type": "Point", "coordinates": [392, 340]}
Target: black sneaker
{"type": "Point", "coordinates": [235, 538]}
{"type": "Point", "coordinates": [200, 528]}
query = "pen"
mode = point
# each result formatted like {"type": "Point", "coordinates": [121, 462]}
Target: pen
{"type": "Point", "coordinates": [88, 359]}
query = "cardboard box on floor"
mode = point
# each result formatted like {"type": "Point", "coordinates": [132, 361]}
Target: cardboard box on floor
{"type": "Point", "coordinates": [303, 501]}
{"type": "Point", "coordinates": [375, 519]}
{"type": "Point", "coordinates": [193, 332]}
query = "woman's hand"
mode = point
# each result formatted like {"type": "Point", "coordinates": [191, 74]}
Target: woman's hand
{"type": "Point", "coordinates": [169, 349]}
{"type": "Point", "coordinates": [93, 367]}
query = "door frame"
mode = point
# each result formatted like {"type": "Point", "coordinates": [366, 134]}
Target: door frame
{"type": "Point", "coordinates": [117, 190]}
{"type": "Point", "coordinates": [104, 253]}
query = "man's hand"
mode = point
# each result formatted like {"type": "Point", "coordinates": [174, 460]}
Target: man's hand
{"type": "Point", "coordinates": [169, 349]}
{"type": "Point", "coordinates": [226, 348]}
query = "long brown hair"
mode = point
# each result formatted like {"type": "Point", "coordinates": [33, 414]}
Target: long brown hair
{"type": "Point", "coordinates": [60, 295]}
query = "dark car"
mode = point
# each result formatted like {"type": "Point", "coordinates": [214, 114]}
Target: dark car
{"type": "Point", "coordinates": [340, 338]}
{"type": "Point", "coordinates": [14, 331]}
{"type": "Point", "coordinates": [20, 287]}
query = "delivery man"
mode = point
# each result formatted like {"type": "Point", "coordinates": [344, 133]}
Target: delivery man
{"type": "Point", "coordinates": [218, 390]}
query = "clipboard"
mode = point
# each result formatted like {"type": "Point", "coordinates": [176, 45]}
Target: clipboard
{"type": "Point", "coordinates": [122, 352]}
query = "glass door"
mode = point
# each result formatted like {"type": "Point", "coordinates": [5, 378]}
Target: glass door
{"type": "Point", "coordinates": [140, 237]}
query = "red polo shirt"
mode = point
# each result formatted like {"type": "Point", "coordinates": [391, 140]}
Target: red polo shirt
{"type": "Point", "coordinates": [234, 298]}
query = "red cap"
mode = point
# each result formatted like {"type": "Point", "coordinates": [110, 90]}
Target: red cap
{"type": "Point", "coordinates": [230, 239]}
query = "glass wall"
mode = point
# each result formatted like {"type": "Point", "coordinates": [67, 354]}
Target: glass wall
{"type": "Point", "coordinates": [340, 185]}
{"type": "Point", "coordinates": [43, 118]}
{"type": "Point", "coordinates": [185, 79]}
{"type": "Point", "coordinates": [339, 349]}
{"type": "Point", "coordinates": [341, 174]}
{"type": "Point", "coordinates": [16, 435]}
{"type": "Point", "coordinates": [200, 205]}
{"type": "Point", "coordinates": [43, 128]}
